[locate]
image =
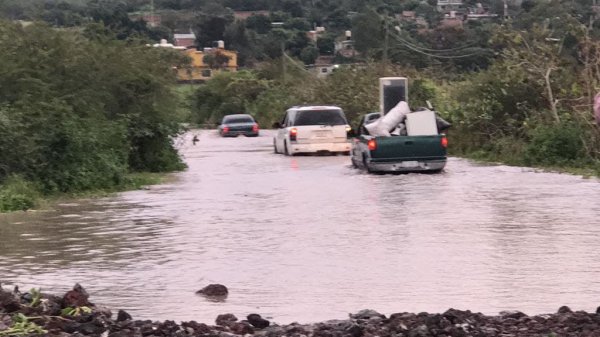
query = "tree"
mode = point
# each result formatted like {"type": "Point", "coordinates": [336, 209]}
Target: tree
{"type": "Point", "coordinates": [81, 113]}
{"type": "Point", "coordinates": [326, 44]}
{"type": "Point", "coordinates": [538, 54]}
{"type": "Point", "coordinates": [216, 60]}
{"type": "Point", "coordinates": [367, 32]}
{"type": "Point", "coordinates": [259, 23]}
{"type": "Point", "coordinates": [309, 54]}
{"type": "Point", "coordinates": [211, 24]}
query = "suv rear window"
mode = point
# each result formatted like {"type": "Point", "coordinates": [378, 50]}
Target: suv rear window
{"type": "Point", "coordinates": [238, 119]}
{"type": "Point", "coordinates": [320, 117]}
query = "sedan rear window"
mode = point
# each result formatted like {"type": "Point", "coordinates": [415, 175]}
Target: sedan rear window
{"type": "Point", "coordinates": [238, 119]}
{"type": "Point", "coordinates": [320, 117]}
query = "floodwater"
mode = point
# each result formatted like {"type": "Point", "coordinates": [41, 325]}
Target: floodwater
{"type": "Point", "coordinates": [310, 239]}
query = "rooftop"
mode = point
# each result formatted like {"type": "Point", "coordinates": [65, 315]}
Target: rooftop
{"type": "Point", "coordinates": [184, 36]}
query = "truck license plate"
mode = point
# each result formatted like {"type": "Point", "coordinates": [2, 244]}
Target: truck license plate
{"type": "Point", "coordinates": [410, 163]}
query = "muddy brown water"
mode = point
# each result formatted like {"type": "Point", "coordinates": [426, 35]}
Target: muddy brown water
{"type": "Point", "coordinates": [309, 239]}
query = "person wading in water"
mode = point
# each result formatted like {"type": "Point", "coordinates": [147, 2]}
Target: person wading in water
{"type": "Point", "coordinates": [195, 139]}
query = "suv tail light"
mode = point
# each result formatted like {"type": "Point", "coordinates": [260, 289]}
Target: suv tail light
{"type": "Point", "coordinates": [293, 134]}
{"type": "Point", "coordinates": [444, 142]}
{"type": "Point", "coordinates": [372, 144]}
{"type": "Point", "coordinates": [349, 132]}
{"type": "Point", "coordinates": [255, 128]}
{"type": "Point", "coordinates": [225, 129]}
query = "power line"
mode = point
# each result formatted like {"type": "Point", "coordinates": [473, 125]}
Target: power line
{"type": "Point", "coordinates": [434, 55]}
{"type": "Point", "coordinates": [436, 50]}
{"type": "Point", "coordinates": [423, 50]}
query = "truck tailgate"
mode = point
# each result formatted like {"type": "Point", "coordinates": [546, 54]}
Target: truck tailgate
{"type": "Point", "coordinates": [401, 148]}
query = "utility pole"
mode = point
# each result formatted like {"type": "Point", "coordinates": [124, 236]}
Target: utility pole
{"type": "Point", "coordinates": [151, 19]}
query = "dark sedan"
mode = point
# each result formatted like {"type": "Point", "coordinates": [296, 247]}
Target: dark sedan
{"type": "Point", "coordinates": [239, 124]}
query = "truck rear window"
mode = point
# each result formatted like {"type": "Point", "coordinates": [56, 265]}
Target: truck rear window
{"type": "Point", "coordinates": [320, 117]}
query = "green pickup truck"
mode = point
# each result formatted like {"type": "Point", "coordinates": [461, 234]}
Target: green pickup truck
{"type": "Point", "coordinates": [399, 153]}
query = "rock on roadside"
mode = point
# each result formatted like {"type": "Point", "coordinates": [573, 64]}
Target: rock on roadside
{"type": "Point", "coordinates": [75, 321]}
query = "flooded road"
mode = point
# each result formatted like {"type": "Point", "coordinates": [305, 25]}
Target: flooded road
{"type": "Point", "coordinates": [309, 239]}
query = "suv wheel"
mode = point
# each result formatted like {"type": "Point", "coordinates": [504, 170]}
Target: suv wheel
{"type": "Point", "coordinates": [366, 164]}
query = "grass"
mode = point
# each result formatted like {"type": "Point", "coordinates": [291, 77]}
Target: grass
{"type": "Point", "coordinates": [584, 169]}
{"type": "Point", "coordinates": [16, 194]}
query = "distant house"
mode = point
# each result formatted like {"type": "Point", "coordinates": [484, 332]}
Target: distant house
{"type": "Point", "coordinates": [243, 15]}
{"type": "Point", "coordinates": [479, 13]}
{"type": "Point", "coordinates": [421, 22]}
{"type": "Point", "coordinates": [344, 45]}
{"type": "Point", "coordinates": [411, 16]}
{"type": "Point", "coordinates": [448, 5]}
{"type": "Point", "coordinates": [324, 66]}
{"type": "Point", "coordinates": [596, 11]}
{"type": "Point", "coordinates": [451, 21]}
{"type": "Point", "coordinates": [406, 16]}
{"type": "Point", "coordinates": [313, 35]}
{"type": "Point", "coordinates": [164, 44]}
{"type": "Point", "coordinates": [184, 40]}
{"type": "Point", "coordinates": [203, 67]}
{"type": "Point", "coordinates": [152, 20]}
{"type": "Point", "coordinates": [476, 17]}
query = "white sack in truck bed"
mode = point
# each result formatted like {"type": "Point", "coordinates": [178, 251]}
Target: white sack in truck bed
{"type": "Point", "coordinates": [421, 123]}
{"type": "Point", "coordinates": [384, 125]}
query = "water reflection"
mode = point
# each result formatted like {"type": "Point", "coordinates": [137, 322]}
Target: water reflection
{"type": "Point", "coordinates": [310, 238]}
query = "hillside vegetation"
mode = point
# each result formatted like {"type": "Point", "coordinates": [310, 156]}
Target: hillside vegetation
{"type": "Point", "coordinates": [84, 102]}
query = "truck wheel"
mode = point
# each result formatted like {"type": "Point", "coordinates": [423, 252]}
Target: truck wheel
{"type": "Point", "coordinates": [275, 146]}
{"type": "Point", "coordinates": [285, 149]}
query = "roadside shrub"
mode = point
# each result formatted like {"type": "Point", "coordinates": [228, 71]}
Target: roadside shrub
{"type": "Point", "coordinates": [555, 144]}
{"type": "Point", "coordinates": [79, 114]}
{"type": "Point", "coordinates": [227, 93]}
{"type": "Point", "coordinates": [270, 106]}
{"type": "Point", "coordinates": [16, 194]}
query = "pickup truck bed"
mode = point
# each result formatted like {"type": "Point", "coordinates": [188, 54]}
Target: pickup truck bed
{"type": "Point", "coordinates": [399, 153]}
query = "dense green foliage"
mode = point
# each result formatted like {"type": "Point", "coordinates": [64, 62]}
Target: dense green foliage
{"type": "Point", "coordinates": [265, 94]}
{"type": "Point", "coordinates": [86, 102]}
{"type": "Point", "coordinates": [79, 114]}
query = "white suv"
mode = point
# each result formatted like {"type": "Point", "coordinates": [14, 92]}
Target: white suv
{"type": "Point", "coordinates": [310, 129]}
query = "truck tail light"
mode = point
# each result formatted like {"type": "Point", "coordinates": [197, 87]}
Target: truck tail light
{"type": "Point", "coordinates": [293, 134]}
{"type": "Point", "coordinates": [372, 144]}
{"type": "Point", "coordinates": [444, 142]}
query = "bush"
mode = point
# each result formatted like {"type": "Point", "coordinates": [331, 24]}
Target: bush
{"type": "Point", "coordinates": [79, 114]}
{"type": "Point", "coordinates": [16, 194]}
{"type": "Point", "coordinates": [555, 144]}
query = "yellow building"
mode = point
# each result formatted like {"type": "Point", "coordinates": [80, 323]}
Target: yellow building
{"type": "Point", "coordinates": [206, 63]}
